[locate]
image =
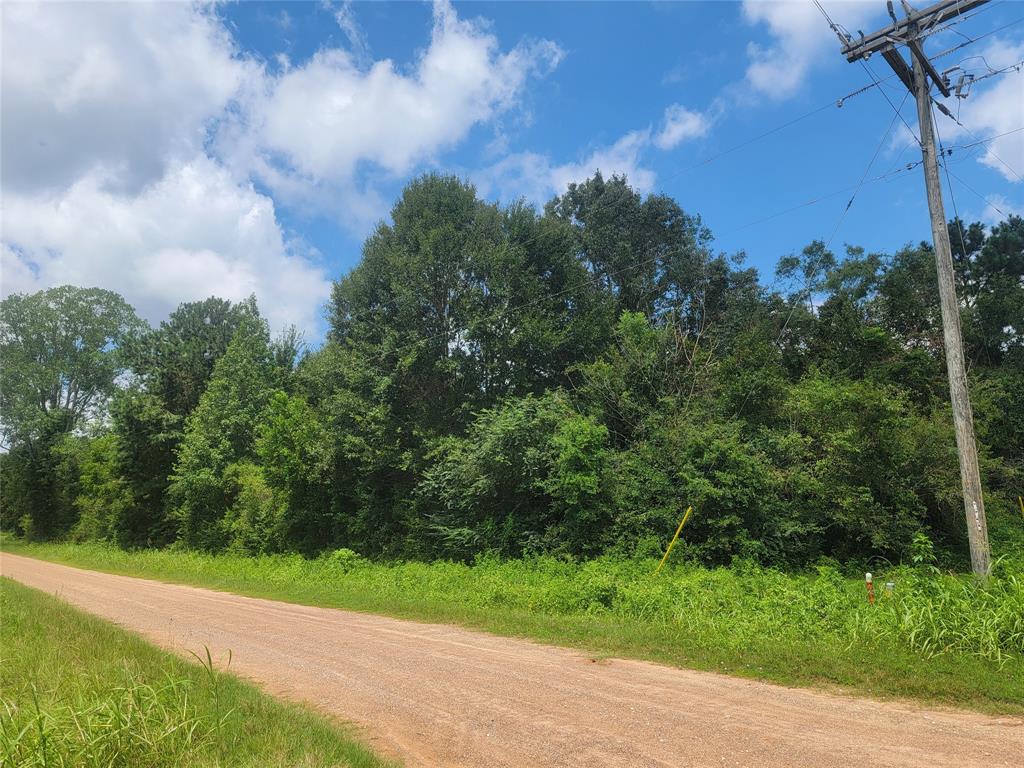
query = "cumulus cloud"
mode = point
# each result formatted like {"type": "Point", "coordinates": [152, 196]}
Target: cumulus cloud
{"type": "Point", "coordinates": [536, 177]}
{"type": "Point", "coordinates": [681, 124]}
{"type": "Point", "coordinates": [800, 37]}
{"type": "Point", "coordinates": [132, 135]}
{"type": "Point", "coordinates": [193, 233]}
{"type": "Point", "coordinates": [322, 121]}
{"type": "Point", "coordinates": [123, 88]}
{"type": "Point", "coordinates": [994, 107]}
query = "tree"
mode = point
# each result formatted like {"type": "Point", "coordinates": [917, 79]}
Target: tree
{"type": "Point", "coordinates": [175, 361]}
{"type": "Point", "coordinates": [219, 432]}
{"type": "Point", "coordinates": [62, 358]}
{"type": "Point", "coordinates": [371, 452]}
{"type": "Point", "coordinates": [529, 476]}
{"type": "Point", "coordinates": [498, 379]}
{"type": "Point", "coordinates": [147, 439]}
{"type": "Point", "coordinates": [409, 302]}
{"type": "Point", "coordinates": [172, 366]}
{"type": "Point", "coordinates": [103, 497]}
{"type": "Point", "coordinates": [61, 352]}
{"type": "Point", "coordinates": [297, 457]}
{"type": "Point", "coordinates": [643, 367]}
{"type": "Point", "coordinates": [991, 273]}
{"type": "Point", "coordinates": [648, 254]}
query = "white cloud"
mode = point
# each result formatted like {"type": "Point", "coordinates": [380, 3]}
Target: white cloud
{"type": "Point", "coordinates": [194, 233]}
{"type": "Point", "coordinates": [131, 134]}
{"type": "Point", "coordinates": [681, 124]}
{"type": "Point", "coordinates": [121, 87]}
{"type": "Point", "coordinates": [536, 177]}
{"type": "Point", "coordinates": [621, 158]}
{"type": "Point", "coordinates": [998, 208]}
{"type": "Point", "coordinates": [322, 121]}
{"type": "Point", "coordinates": [801, 37]}
{"type": "Point", "coordinates": [345, 16]}
{"type": "Point", "coordinates": [993, 107]}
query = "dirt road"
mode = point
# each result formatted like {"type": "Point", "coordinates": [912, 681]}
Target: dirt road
{"type": "Point", "coordinates": [439, 695]}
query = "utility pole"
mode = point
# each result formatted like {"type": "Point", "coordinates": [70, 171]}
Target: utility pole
{"type": "Point", "coordinates": [918, 79]}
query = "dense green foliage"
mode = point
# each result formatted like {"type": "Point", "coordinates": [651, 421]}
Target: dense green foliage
{"type": "Point", "coordinates": [77, 692]}
{"type": "Point", "coordinates": [564, 383]}
{"type": "Point", "coordinates": [936, 636]}
{"type": "Point", "coordinates": [62, 357]}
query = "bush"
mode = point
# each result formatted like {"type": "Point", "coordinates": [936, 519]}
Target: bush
{"type": "Point", "coordinates": [706, 465]}
{"type": "Point", "coordinates": [253, 521]}
{"type": "Point", "coordinates": [529, 476]}
{"type": "Point", "coordinates": [104, 500]}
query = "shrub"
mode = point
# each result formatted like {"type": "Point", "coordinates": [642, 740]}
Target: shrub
{"type": "Point", "coordinates": [253, 520]}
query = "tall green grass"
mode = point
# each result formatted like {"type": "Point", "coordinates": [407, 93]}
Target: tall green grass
{"type": "Point", "coordinates": [935, 636]}
{"type": "Point", "coordinates": [77, 692]}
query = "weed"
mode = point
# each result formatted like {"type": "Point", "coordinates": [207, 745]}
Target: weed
{"type": "Point", "coordinates": [937, 637]}
{"type": "Point", "coordinates": [77, 692]}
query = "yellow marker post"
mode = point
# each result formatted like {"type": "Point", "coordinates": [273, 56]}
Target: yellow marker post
{"type": "Point", "coordinates": [673, 542]}
{"type": "Point", "coordinates": [1021, 502]}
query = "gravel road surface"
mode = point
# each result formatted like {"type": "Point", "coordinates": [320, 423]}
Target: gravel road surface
{"type": "Point", "coordinates": [437, 695]}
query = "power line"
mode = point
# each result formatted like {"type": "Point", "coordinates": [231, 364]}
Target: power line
{"type": "Point", "coordinates": [815, 200]}
{"type": "Point", "coordinates": [834, 103]}
{"type": "Point", "coordinates": [874, 157]}
{"type": "Point", "coordinates": [985, 141]}
{"type": "Point", "coordinates": [973, 40]}
{"type": "Point", "coordinates": [959, 19]}
{"type": "Point", "coordinates": [918, 78]}
{"type": "Point", "coordinates": [977, 194]}
{"type": "Point", "coordinates": [814, 271]}
{"type": "Point", "coordinates": [949, 185]}
{"type": "Point", "coordinates": [878, 82]}
{"type": "Point", "coordinates": [973, 135]}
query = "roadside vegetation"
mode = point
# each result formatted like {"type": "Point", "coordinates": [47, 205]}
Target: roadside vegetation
{"type": "Point", "coordinates": [501, 380]}
{"type": "Point", "coordinates": [78, 692]}
{"type": "Point", "coordinates": [936, 637]}
{"type": "Point", "coordinates": [509, 414]}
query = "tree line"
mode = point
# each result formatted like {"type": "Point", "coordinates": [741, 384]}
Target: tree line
{"type": "Point", "coordinates": [507, 380]}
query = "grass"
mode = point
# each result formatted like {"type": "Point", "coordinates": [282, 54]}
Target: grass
{"type": "Point", "coordinates": [76, 691]}
{"type": "Point", "coordinates": [937, 639]}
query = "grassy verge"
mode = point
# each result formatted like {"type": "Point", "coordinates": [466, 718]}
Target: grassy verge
{"type": "Point", "coordinates": [78, 691]}
{"type": "Point", "coordinates": [937, 638]}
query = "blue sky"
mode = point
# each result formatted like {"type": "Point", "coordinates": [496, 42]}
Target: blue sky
{"type": "Point", "coordinates": [170, 151]}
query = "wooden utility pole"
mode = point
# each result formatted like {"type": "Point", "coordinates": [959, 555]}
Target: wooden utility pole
{"type": "Point", "coordinates": [918, 79]}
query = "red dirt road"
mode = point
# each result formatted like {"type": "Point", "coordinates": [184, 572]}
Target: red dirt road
{"type": "Point", "coordinates": [436, 695]}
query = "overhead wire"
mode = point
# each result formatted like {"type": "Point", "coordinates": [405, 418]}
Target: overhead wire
{"type": "Point", "coordinates": [844, 36]}
{"type": "Point", "coordinates": [814, 270]}
{"type": "Point", "coordinates": [985, 141]}
{"type": "Point", "coordinates": [960, 18]}
{"type": "Point", "coordinates": [881, 90]}
{"type": "Point", "coordinates": [876, 82]}
{"type": "Point", "coordinates": [975, 39]}
{"type": "Point", "coordinates": [978, 194]}
{"type": "Point", "coordinates": [973, 135]}
{"type": "Point", "coordinates": [898, 114]}
{"type": "Point", "coordinates": [949, 185]}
